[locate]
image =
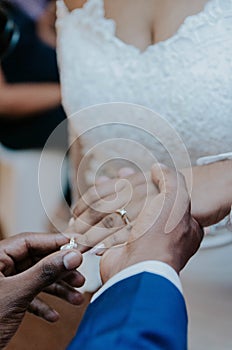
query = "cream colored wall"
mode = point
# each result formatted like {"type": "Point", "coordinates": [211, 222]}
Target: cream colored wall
{"type": "Point", "coordinates": [24, 201]}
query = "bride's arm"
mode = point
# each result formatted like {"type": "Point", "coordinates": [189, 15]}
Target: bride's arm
{"type": "Point", "coordinates": [210, 188]}
{"type": "Point", "coordinates": [211, 195]}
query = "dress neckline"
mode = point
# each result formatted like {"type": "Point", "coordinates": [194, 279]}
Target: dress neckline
{"type": "Point", "coordinates": [154, 45]}
{"type": "Point", "coordinates": [110, 24]}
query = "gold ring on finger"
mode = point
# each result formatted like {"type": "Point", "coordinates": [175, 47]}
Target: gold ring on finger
{"type": "Point", "coordinates": [123, 213]}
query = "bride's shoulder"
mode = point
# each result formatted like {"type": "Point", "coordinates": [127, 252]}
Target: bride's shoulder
{"type": "Point", "coordinates": [74, 4]}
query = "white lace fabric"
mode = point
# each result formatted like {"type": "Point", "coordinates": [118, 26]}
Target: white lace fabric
{"type": "Point", "coordinates": [187, 78]}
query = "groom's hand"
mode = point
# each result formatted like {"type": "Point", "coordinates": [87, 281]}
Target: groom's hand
{"type": "Point", "coordinates": [29, 264]}
{"type": "Point", "coordinates": [164, 230]}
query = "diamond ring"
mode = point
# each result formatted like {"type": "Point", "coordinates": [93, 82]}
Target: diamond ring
{"type": "Point", "coordinates": [123, 213]}
{"type": "Point", "coordinates": [71, 245]}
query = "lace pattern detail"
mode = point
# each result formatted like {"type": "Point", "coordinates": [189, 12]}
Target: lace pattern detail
{"type": "Point", "coordinates": [187, 78]}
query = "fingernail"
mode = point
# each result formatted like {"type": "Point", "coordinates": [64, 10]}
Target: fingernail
{"type": "Point", "coordinates": [71, 260]}
{"type": "Point", "coordinates": [52, 316]}
{"type": "Point", "coordinates": [77, 298]}
{"type": "Point", "coordinates": [98, 249]}
{"type": "Point", "coordinates": [102, 179]}
{"type": "Point", "coordinates": [71, 222]}
{"type": "Point", "coordinates": [126, 172]}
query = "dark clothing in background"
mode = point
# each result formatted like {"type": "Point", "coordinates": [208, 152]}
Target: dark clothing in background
{"type": "Point", "coordinates": [32, 61]}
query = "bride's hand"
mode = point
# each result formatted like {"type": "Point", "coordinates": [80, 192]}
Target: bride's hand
{"type": "Point", "coordinates": [210, 191]}
{"type": "Point", "coordinates": [94, 215]}
{"type": "Point", "coordinates": [211, 199]}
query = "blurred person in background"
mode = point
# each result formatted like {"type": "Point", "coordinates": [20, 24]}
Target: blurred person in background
{"type": "Point", "coordinates": [30, 101]}
{"type": "Point", "coordinates": [30, 105]}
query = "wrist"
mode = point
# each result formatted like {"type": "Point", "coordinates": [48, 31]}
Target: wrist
{"type": "Point", "coordinates": [158, 250]}
{"type": "Point", "coordinates": [165, 259]}
{"type": "Point", "coordinates": [221, 173]}
{"type": "Point", "coordinates": [151, 267]}
{"type": "Point", "coordinates": [129, 256]}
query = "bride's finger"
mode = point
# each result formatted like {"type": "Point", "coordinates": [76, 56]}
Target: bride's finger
{"type": "Point", "coordinates": [94, 236]}
{"type": "Point", "coordinates": [141, 193]}
{"type": "Point", "coordinates": [96, 193]}
{"type": "Point", "coordinates": [96, 212]}
{"type": "Point", "coordinates": [103, 190]}
{"type": "Point", "coordinates": [126, 172]}
{"type": "Point", "coordinates": [114, 240]}
{"type": "Point", "coordinates": [172, 184]}
{"type": "Point", "coordinates": [101, 180]}
{"type": "Point", "coordinates": [139, 199]}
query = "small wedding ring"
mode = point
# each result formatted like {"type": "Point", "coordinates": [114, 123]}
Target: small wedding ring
{"type": "Point", "coordinates": [123, 213]}
{"type": "Point", "coordinates": [71, 245]}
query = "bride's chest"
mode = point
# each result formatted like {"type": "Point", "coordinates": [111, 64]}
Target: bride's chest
{"type": "Point", "coordinates": [191, 70]}
{"type": "Point", "coordinates": [193, 62]}
{"type": "Point", "coordinates": [187, 78]}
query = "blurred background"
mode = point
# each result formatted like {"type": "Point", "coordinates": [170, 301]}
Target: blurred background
{"type": "Point", "coordinates": [30, 109]}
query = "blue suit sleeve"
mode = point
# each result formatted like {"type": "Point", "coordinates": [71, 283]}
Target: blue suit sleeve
{"type": "Point", "coordinates": [145, 311]}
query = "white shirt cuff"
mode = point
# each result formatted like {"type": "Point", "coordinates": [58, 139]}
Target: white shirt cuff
{"type": "Point", "coordinates": [155, 267]}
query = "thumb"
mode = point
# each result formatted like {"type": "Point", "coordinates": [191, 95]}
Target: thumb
{"type": "Point", "coordinates": [172, 186]}
{"type": "Point", "coordinates": [47, 271]}
{"type": "Point", "coordinates": [164, 178]}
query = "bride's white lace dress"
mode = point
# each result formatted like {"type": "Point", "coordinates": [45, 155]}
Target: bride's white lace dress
{"type": "Point", "coordinates": [188, 80]}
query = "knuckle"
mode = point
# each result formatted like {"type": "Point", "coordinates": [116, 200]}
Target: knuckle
{"type": "Point", "coordinates": [75, 211]}
{"type": "Point", "coordinates": [108, 221]}
{"type": "Point", "coordinates": [49, 272]}
{"type": "Point", "coordinates": [34, 308]}
{"type": "Point", "coordinates": [86, 240]}
{"type": "Point", "coordinates": [92, 213]}
{"type": "Point", "coordinates": [97, 205]}
{"type": "Point", "coordinates": [6, 263]}
{"type": "Point", "coordinates": [90, 196]}
{"type": "Point", "coordinates": [113, 239]}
